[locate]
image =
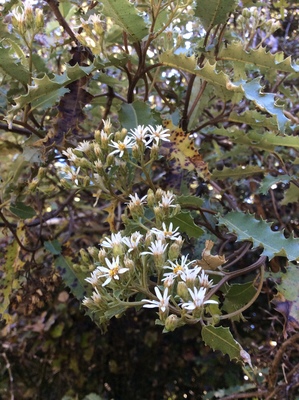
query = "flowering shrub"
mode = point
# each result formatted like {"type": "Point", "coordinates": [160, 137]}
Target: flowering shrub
{"type": "Point", "coordinates": [145, 268]}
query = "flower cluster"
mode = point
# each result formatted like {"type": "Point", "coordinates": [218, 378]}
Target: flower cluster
{"type": "Point", "coordinates": [131, 264]}
{"type": "Point", "coordinates": [103, 163]}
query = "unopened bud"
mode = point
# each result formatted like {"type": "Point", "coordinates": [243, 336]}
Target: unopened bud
{"type": "Point", "coordinates": [182, 291]}
{"type": "Point", "coordinates": [171, 322]}
{"type": "Point", "coordinates": [84, 256]}
{"type": "Point", "coordinates": [150, 198]}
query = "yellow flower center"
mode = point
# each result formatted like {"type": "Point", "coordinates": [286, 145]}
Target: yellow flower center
{"type": "Point", "coordinates": [113, 272]}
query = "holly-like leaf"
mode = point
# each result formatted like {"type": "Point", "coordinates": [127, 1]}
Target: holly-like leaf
{"type": "Point", "coordinates": [22, 211]}
{"type": "Point", "coordinates": [124, 14]}
{"type": "Point", "coordinates": [11, 66]}
{"type": "Point", "coordinates": [47, 90]}
{"type": "Point", "coordinates": [270, 180]}
{"type": "Point", "coordinates": [291, 195]}
{"type": "Point", "coordinates": [219, 338]}
{"type": "Point", "coordinates": [259, 232]}
{"type": "Point", "coordinates": [267, 141]}
{"type": "Point", "coordinates": [258, 57]}
{"type": "Point", "coordinates": [214, 12]}
{"type": "Point", "coordinates": [186, 224]}
{"type": "Point", "coordinates": [265, 101]}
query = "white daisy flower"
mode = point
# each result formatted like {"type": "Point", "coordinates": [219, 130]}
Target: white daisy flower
{"type": "Point", "coordinates": [133, 241]}
{"type": "Point", "coordinates": [189, 275]}
{"type": "Point", "coordinates": [156, 249]}
{"type": "Point", "coordinates": [121, 147]}
{"type": "Point", "coordinates": [204, 280]}
{"type": "Point", "coordinates": [136, 201]}
{"type": "Point", "coordinates": [162, 303]}
{"type": "Point", "coordinates": [140, 135]}
{"type": "Point", "coordinates": [167, 199]}
{"type": "Point", "coordinates": [84, 146]}
{"type": "Point", "coordinates": [113, 271]}
{"type": "Point", "coordinates": [167, 233]}
{"type": "Point", "coordinates": [178, 267]}
{"type": "Point", "coordinates": [159, 133]}
{"type": "Point", "coordinates": [198, 296]}
{"type": "Point", "coordinates": [94, 278]}
{"type": "Point", "coordinates": [115, 240]}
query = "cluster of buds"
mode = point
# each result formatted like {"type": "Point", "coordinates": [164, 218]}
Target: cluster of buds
{"type": "Point", "coordinates": [26, 20]}
{"type": "Point", "coordinates": [128, 266]}
{"type": "Point", "coordinates": [93, 33]}
{"type": "Point", "coordinates": [103, 163]}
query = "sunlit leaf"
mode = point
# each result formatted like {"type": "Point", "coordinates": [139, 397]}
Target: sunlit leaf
{"type": "Point", "coordinates": [259, 232]}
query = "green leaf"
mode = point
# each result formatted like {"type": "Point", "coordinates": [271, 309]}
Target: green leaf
{"type": "Point", "coordinates": [136, 113]}
{"type": "Point", "coordinates": [186, 224]}
{"type": "Point", "coordinates": [53, 246]}
{"type": "Point", "coordinates": [259, 57]}
{"type": "Point", "coordinates": [289, 282]}
{"type": "Point", "coordinates": [237, 296]}
{"type": "Point", "coordinates": [254, 119]}
{"type": "Point", "coordinates": [270, 180]}
{"type": "Point", "coordinates": [219, 338]}
{"type": "Point", "coordinates": [259, 232]}
{"type": "Point", "coordinates": [22, 211]}
{"type": "Point", "coordinates": [124, 14]}
{"type": "Point", "coordinates": [267, 141]}
{"type": "Point", "coordinates": [190, 201]}
{"type": "Point", "coordinates": [238, 172]}
{"type": "Point", "coordinates": [75, 281]}
{"type": "Point", "coordinates": [47, 91]}
{"type": "Point", "coordinates": [10, 66]}
{"type": "Point", "coordinates": [265, 101]}
{"type": "Point", "coordinates": [214, 12]}
{"type": "Point", "coordinates": [291, 195]}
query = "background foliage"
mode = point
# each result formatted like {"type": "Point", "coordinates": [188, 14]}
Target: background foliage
{"type": "Point", "coordinates": [220, 73]}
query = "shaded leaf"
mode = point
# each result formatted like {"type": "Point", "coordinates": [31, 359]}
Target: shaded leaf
{"type": "Point", "coordinates": [53, 246]}
{"type": "Point", "coordinates": [237, 296]}
{"type": "Point", "coordinates": [22, 211]}
{"type": "Point", "coordinates": [74, 280]}
{"type": "Point", "coordinates": [270, 180]}
{"type": "Point", "coordinates": [291, 195]}
{"type": "Point", "coordinates": [238, 172]}
{"type": "Point", "coordinates": [219, 338]}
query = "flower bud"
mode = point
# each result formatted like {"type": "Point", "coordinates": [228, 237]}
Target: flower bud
{"type": "Point", "coordinates": [102, 255]}
{"type": "Point", "coordinates": [171, 322]}
{"type": "Point", "coordinates": [150, 198]}
{"type": "Point", "coordinates": [84, 256]}
{"type": "Point", "coordinates": [129, 263]}
{"type": "Point", "coordinates": [39, 19]}
{"type": "Point", "coordinates": [154, 152]}
{"type": "Point", "coordinates": [174, 251]}
{"type": "Point", "coordinates": [182, 291]}
{"type": "Point", "coordinates": [93, 251]}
